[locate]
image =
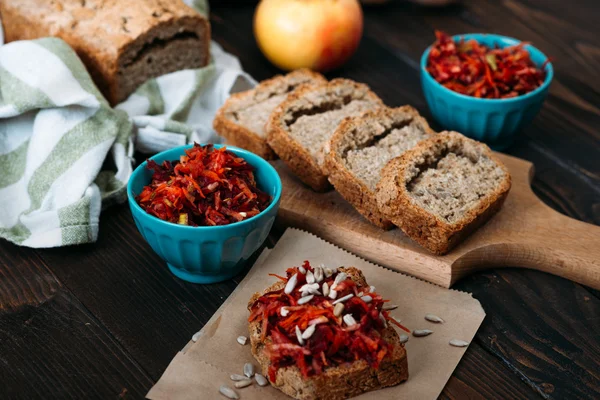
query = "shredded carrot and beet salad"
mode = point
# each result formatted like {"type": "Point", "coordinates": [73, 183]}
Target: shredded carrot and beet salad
{"type": "Point", "coordinates": [473, 69]}
{"type": "Point", "coordinates": [333, 342]}
{"type": "Point", "coordinates": [205, 187]}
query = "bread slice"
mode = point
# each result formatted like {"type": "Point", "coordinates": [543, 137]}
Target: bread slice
{"type": "Point", "coordinates": [335, 383]}
{"type": "Point", "coordinates": [362, 146]}
{"type": "Point", "coordinates": [301, 126]}
{"type": "Point", "coordinates": [443, 189]}
{"type": "Point", "coordinates": [121, 45]}
{"type": "Point", "coordinates": [241, 120]}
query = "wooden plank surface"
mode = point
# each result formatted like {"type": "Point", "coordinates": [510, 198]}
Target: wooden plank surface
{"type": "Point", "coordinates": [540, 337]}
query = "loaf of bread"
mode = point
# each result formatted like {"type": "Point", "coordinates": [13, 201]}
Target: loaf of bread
{"type": "Point", "coordinates": [443, 189]}
{"type": "Point", "coordinates": [122, 44]}
{"type": "Point", "coordinates": [335, 382]}
{"type": "Point", "coordinates": [303, 124]}
{"type": "Point", "coordinates": [363, 145]}
{"type": "Point", "coordinates": [241, 120]}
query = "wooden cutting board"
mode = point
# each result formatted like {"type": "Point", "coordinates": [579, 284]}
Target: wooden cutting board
{"type": "Point", "coordinates": [525, 233]}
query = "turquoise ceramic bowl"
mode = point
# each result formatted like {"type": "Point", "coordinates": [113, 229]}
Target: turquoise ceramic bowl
{"type": "Point", "coordinates": [206, 254]}
{"type": "Point", "coordinates": [494, 121]}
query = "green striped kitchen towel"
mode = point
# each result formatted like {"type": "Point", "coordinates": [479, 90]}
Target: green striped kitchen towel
{"type": "Point", "coordinates": [65, 153]}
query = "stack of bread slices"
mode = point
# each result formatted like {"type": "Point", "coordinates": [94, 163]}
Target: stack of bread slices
{"type": "Point", "coordinates": [387, 162]}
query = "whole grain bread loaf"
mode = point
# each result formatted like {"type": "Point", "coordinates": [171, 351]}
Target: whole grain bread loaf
{"type": "Point", "coordinates": [241, 120]}
{"type": "Point", "coordinates": [335, 383]}
{"type": "Point", "coordinates": [360, 148]}
{"type": "Point", "coordinates": [443, 189]}
{"type": "Point", "coordinates": [301, 126]}
{"type": "Point", "coordinates": [121, 44]}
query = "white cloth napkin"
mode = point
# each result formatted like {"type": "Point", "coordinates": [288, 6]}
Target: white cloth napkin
{"type": "Point", "coordinates": [65, 153]}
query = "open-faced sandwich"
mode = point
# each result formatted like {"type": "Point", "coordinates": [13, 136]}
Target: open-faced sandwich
{"type": "Point", "coordinates": [325, 334]}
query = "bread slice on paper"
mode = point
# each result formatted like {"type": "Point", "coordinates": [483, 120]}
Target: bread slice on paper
{"type": "Point", "coordinates": [300, 127]}
{"type": "Point", "coordinates": [362, 146]}
{"type": "Point", "coordinates": [443, 189]}
{"type": "Point", "coordinates": [241, 120]}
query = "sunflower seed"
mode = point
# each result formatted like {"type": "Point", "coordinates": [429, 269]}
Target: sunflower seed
{"type": "Point", "coordinates": [196, 336]}
{"type": "Point", "coordinates": [349, 320]}
{"type": "Point", "coordinates": [242, 340]}
{"type": "Point", "coordinates": [338, 279]}
{"type": "Point", "coordinates": [342, 299]}
{"type": "Point", "coordinates": [261, 380]}
{"type": "Point", "coordinates": [366, 299]}
{"type": "Point", "coordinates": [302, 270]}
{"type": "Point", "coordinates": [389, 307]}
{"type": "Point", "coordinates": [421, 332]}
{"type": "Point", "coordinates": [243, 384]}
{"type": "Point", "coordinates": [318, 274]}
{"type": "Point", "coordinates": [305, 299]}
{"type": "Point", "coordinates": [310, 288]}
{"type": "Point", "coordinates": [382, 318]}
{"type": "Point", "coordinates": [319, 320]}
{"type": "Point", "coordinates": [228, 392]}
{"type": "Point", "coordinates": [237, 377]}
{"type": "Point", "coordinates": [433, 318]}
{"type": "Point", "coordinates": [337, 310]}
{"type": "Point", "coordinates": [327, 272]}
{"type": "Point", "coordinates": [249, 370]}
{"type": "Point", "coordinates": [308, 332]}
{"type": "Point", "coordinates": [458, 343]}
{"type": "Point", "coordinates": [403, 338]}
{"type": "Point", "coordinates": [284, 311]}
{"type": "Point", "coordinates": [291, 284]}
{"type": "Point", "coordinates": [299, 336]}
{"type": "Point", "coordinates": [310, 277]}
{"type": "Point", "coordinates": [371, 289]}
{"type": "Point", "coordinates": [325, 289]}
{"type": "Point", "coordinates": [243, 214]}
{"type": "Point", "coordinates": [332, 293]}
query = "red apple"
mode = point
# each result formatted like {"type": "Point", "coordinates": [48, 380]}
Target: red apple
{"type": "Point", "coordinates": [316, 34]}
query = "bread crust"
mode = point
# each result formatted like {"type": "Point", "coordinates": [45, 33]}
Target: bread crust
{"type": "Point", "coordinates": [112, 38]}
{"type": "Point", "coordinates": [427, 229]}
{"type": "Point", "coordinates": [297, 158]}
{"type": "Point", "coordinates": [335, 383]}
{"type": "Point", "coordinates": [239, 135]}
{"type": "Point", "coordinates": [351, 188]}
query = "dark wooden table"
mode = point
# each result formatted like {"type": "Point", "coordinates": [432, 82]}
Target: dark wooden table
{"type": "Point", "coordinates": [104, 320]}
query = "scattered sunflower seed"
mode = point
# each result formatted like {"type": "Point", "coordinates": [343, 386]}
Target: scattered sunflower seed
{"type": "Point", "coordinates": [305, 299]}
{"type": "Point", "coordinates": [366, 299]}
{"type": "Point", "coordinates": [349, 320]}
{"type": "Point", "coordinates": [403, 338]}
{"type": "Point", "coordinates": [310, 288]}
{"type": "Point", "coordinates": [325, 289]}
{"type": "Point", "coordinates": [243, 384]}
{"type": "Point", "coordinates": [310, 277]}
{"type": "Point", "coordinates": [261, 380]}
{"type": "Point", "coordinates": [382, 318]}
{"type": "Point", "coordinates": [196, 336]}
{"type": "Point", "coordinates": [458, 343]}
{"type": "Point", "coordinates": [284, 311]}
{"type": "Point", "coordinates": [308, 332]}
{"type": "Point", "coordinates": [249, 370]}
{"type": "Point", "coordinates": [238, 377]}
{"type": "Point", "coordinates": [243, 214]}
{"type": "Point", "coordinates": [299, 336]}
{"type": "Point", "coordinates": [242, 340]}
{"type": "Point", "coordinates": [319, 320]}
{"type": "Point", "coordinates": [342, 299]}
{"type": "Point", "coordinates": [371, 289]}
{"type": "Point", "coordinates": [327, 272]}
{"type": "Point", "coordinates": [338, 279]}
{"type": "Point", "coordinates": [433, 318]}
{"type": "Point", "coordinates": [389, 307]}
{"type": "Point", "coordinates": [421, 332]}
{"type": "Point", "coordinates": [332, 293]}
{"type": "Point", "coordinates": [291, 284]}
{"type": "Point", "coordinates": [318, 274]}
{"type": "Point", "coordinates": [228, 392]}
{"type": "Point", "coordinates": [337, 310]}
{"type": "Point", "coordinates": [302, 270]}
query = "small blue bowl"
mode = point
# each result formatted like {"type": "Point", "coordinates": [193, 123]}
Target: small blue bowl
{"type": "Point", "coordinates": [206, 254]}
{"type": "Point", "coordinates": [494, 121]}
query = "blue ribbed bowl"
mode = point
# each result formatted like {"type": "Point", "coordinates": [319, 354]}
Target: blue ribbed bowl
{"type": "Point", "coordinates": [494, 121]}
{"type": "Point", "coordinates": [206, 254]}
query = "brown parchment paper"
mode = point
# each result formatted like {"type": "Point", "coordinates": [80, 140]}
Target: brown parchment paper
{"type": "Point", "coordinates": [201, 367]}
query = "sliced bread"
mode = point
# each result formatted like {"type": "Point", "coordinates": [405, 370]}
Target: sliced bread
{"type": "Point", "coordinates": [303, 124]}
{"type": "Point", "coordinates": [334, 383]}
{"type": "Point", "coordinates": [443, 189]}
{"type": "Point", "coordinates": [241, 120]}
{"type": "Point", "coordinates": [362, 146]}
